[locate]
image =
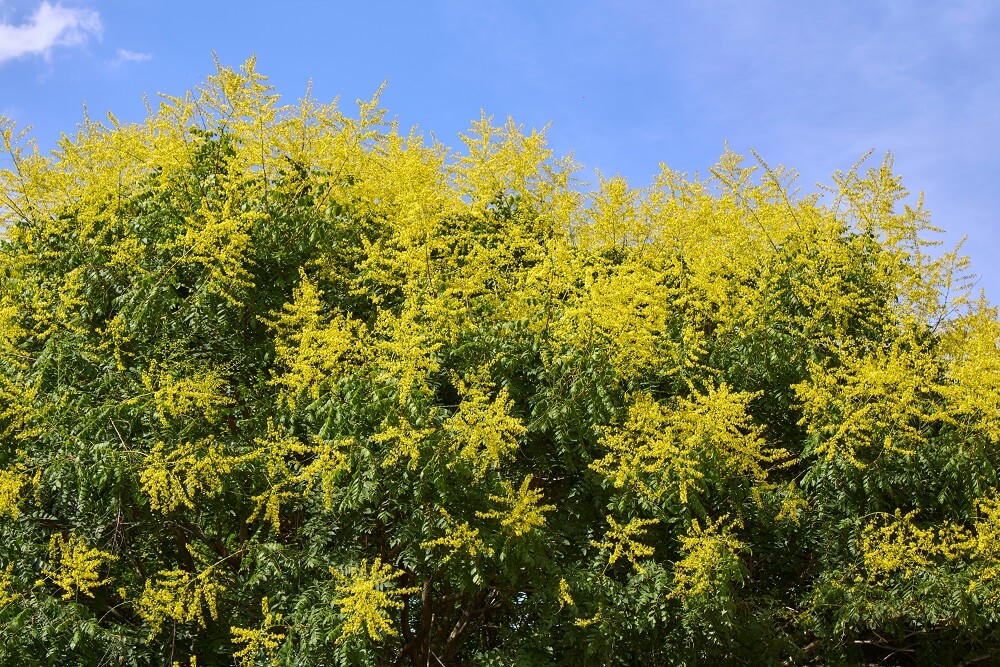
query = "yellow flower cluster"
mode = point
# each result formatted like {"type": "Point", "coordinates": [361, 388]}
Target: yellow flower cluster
{"type": "Point", "coordinates": [522, 513]}
{"type": "Point", "coordinates": [565, 598]}
{"type": "Point", "coordinates": [482, 431]}
{"type": "Point", "coordinates": [871, 404]}
{"type": "Point", "coordinates": [18, 408]}
{"type": "Point", "coordinates": [7, 594]}
{"type": "Point", "coordinates": [179, 596]}
{"type": "Point", "coordinates": [624, 311]}
{"type": "Point", "coordinates": [310, 347]}
{"type": "Point", "coordinates": [53, 301]}
{"type": "Point", "coordinates": [792, 504]}
{"type": "Point", "coordinates": [365, 599]}
{"type": "Point", "coordinates": [623, 541]}
{"type": "Point", "coordinates": [295, 468]}
{"type": "Point", "coordinates": [587, 622]}
{"type": "Point", "coordinates": [176, 478]}
{"type": "Point", "coordinates": [505, 160]}
{"type": "Point", "coordinates": [972, 348]}
{"type": "Point", "coordinates": [200, 394]}
{"type": "Point", "coordinates": [929, 286]}
{"type": "Point", "coordinates": [458, 537]}
{"type": "Point", "coordinates": [899, 545]}
{"type": "Point", "coordinates": [405, 442]}
{"type": "Point", "coordinates": [11, 328]}
{"type": "Point", "coordinates": [711, 560]}
{"type": "Point", "coordinates": [75, 566]}
{"type": "Point", "coordinates": [404, 347]}
{"type": "Point", "coordinates": [258, 640]}
{"type": "Point", "coordinates": [11, 483]}
{"type": "Point", "coordinates": [217, 236]}
{"type": "Point", "coordinates": [406, 180]}
{"type": "Point", "coordinates": [987, 546]}
{"type": "Point", "coordinates": [659, 450]}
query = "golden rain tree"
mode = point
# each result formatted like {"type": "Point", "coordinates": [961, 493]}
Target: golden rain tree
{"type": "Point", "coordinates": [284, 385]}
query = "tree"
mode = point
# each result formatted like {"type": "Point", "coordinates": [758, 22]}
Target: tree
{"type": "Point", "coordinates": [283, 386]}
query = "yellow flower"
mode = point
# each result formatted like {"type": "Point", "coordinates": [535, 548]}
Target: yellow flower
{"type": "Point", "coordinates": [565, 598]}
{"type": "Point", "coordinates": [294, 468]}
{"type": "Point", "coordinates": [76, 565]}
{"type": "Point", "coordinates": [406, 441]}
{"type": "Point", "coordinates": [971, 347]}
{"type": "Point", "coordinates": [792, 504]}
{"type": "Point", "coordinates": [659, 449]}
{"type": "Point", "coordinates": [524, 512]}
{"type": "Point", "coordinates": [458, 537]}
{"type": "Point", "coordinates": [11, 483]}
{"type": "Point", "coordinates": [621, 541]}
{"type": "Point", "coordinates": [897, 544]}
{"type": "Point", "coordinates": [201, 393]}
{"type": "Point", "coordinates": [482, 431]}
{"type": "Point", "coordinates": [711, 560]}
{"type": "Point", "coordinates": [870, 404]}
{"type": "Point", "coordinates": [6, 587]}
{"type": "Point", "coordinates": [587, 622]}
{"type": "Point", "coordinates": [310, 347]}
{"type": "Point", "coordinates": [176, 478]}
{"type": "Point", "coordinates": [256, 640]}
{"type": "Point", "coordinates": [179, 596]}
{"type": "Point", "coordinates": [365, 599]}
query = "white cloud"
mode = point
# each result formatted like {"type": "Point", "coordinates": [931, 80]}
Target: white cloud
{"type": "Point", "coordinates": [50, 25]}
{"type": "Point", "coordinates": [126, 56]}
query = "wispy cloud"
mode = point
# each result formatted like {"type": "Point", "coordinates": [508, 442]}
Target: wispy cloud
{"type": "Point", "coordinates": [49, 26]}
{"type": "Point", "coordinates": [126, 56]}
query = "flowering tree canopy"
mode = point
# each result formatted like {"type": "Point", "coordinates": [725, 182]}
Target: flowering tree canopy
{"type": "Point", "coordinates": [282, 385]}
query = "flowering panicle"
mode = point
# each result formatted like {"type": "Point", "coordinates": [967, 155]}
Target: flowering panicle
{"type": "Point", "coordinates": [294, 468]}
{"type": "Point", "coordinates": [711, 560]}
{"type": "Point", "coordinates": [661, 450]}
{"type": "Point", "coordinates": [176, 478]}
{"type": "Point", "coordinates": [75, 566]}
{"type": "Point", "coordinates": [310, 347]}
{"type": "Point", "coordinates": [870, 404]}
{"type": "Point", "coordinates": [202, 393]}
{"type": "Point", "coordinates": [405, 441]}
{"type": "Point", "coordinates": [365, 599]}
{"type": "Point", "coordinates": [263, 639]}
{"type": "Point", "coordinates": [523, 512]}
{"type": "Point", "coordinates": [622, 540]}
{"type": "Point", "coordinates": [180, 596]}
{"type": "Point", "coordinates": [11, 483]}
{"type": "Point", "coordinates": [900, 545]}
{"type": "Point", "coordinates": [405, 352]}
{"type": "Point", "coordinates": [458, 537]}
{"type": "Point", "coordinates": [7, 594]}
{"type": "Point", "coordinates": [972, 349]}
{"type": "Point", "coordinates": [482, 432]}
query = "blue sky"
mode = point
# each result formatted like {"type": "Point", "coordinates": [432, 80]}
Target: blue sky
{"type": "Point", "coordinates": [625, 84]}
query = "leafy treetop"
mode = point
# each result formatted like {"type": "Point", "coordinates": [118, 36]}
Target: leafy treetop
{"type": "Point", "coordinates": [281, 385]}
